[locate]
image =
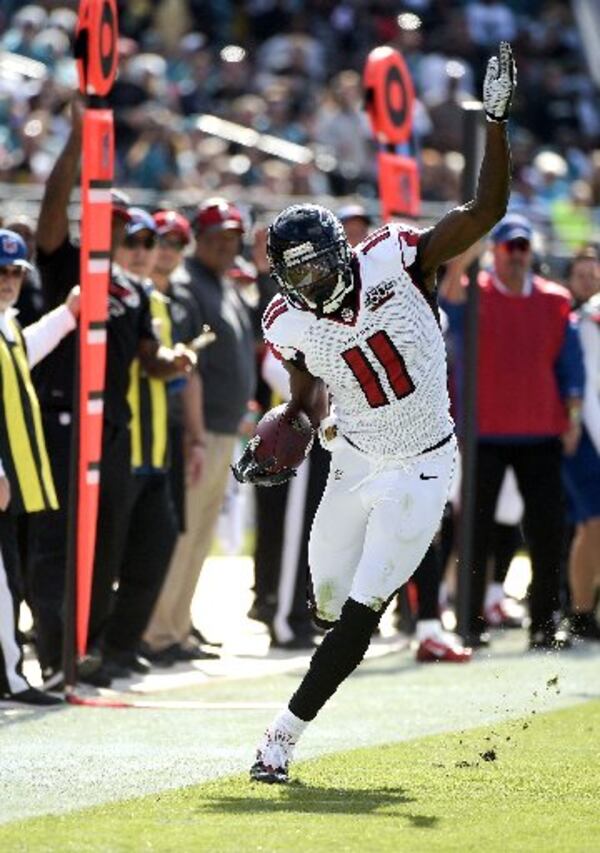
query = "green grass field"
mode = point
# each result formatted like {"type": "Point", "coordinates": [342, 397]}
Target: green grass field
{"type": "Point", "coordinates": [530, 784]}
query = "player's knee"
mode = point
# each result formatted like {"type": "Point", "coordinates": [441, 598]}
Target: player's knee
{"type": "Point", "coordinates": [327, 605]}
{"type": "Point", "coordinates": [325, 624]}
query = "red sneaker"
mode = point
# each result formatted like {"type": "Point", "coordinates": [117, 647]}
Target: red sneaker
{"type": "Point", "coordinates": [443, 649]}
{"type": "Point", "coordinates": [506, 613]}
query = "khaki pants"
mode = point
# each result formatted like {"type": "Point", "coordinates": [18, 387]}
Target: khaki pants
{"type": "Point", "coordinates": [171, 620]}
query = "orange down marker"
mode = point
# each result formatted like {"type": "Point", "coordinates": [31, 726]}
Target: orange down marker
{"type": "Point", "coordinates": [96, 52]}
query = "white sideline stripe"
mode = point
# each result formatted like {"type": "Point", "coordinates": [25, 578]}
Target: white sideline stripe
{"type": "Point", "coordinates": [129, 701]}
{"type": "Point", "coordinates": [236, 669]}
{"type": "Point", "coordinates": [8, 643]}
{"type": "Point", "coordinates": [96, 336]}
{"type": "Point", "coordinates": [98, 265]}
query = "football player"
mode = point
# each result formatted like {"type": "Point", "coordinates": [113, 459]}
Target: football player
{"type": "Point", "coordinates": [358, 332]}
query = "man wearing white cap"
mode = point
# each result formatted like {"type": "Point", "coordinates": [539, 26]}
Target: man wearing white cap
{"type": "Point", "coordinates": [26, 484]}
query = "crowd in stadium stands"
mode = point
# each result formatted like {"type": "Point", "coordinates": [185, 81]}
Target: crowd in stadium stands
{"type": "Point", "coordinates": [293, 69]}
{"type": "Point", "coordinates": [290, 69]}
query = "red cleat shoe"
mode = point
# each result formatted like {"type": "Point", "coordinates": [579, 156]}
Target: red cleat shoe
{"type": "Point", "coordinates": [506, 613]}
{"type": "Point", "coordinates": [443, 649]}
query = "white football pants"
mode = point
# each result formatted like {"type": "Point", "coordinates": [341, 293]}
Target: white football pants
{"type": "Point", "coordinates": [374, 524]}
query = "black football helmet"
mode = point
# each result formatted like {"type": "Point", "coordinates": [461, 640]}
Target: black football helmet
{"type": "Point", "coordinates": [310, 258]}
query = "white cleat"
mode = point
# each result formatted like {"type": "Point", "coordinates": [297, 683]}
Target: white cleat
{"type": "Point", "coordinates": [273, 757]}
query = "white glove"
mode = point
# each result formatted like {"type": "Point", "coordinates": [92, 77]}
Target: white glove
{"type": "Point", "coordinates": [499, 84]}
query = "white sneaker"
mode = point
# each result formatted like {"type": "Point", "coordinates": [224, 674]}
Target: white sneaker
{"type": "Point", "coordinates": [273, 757]}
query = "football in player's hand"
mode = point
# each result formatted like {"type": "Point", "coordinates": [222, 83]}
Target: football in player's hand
{"type": "Point", "coordinates": [285, 438]}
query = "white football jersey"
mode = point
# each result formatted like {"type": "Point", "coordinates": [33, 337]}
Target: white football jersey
{"type": "Point", "coordinates": [384, 361]}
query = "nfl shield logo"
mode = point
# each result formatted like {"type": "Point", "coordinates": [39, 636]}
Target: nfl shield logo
{"type": "Point", "coordinates": [10, 245]}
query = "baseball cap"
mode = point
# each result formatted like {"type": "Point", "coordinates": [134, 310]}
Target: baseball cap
{"type": "Point", "coordinates": [13, 251]}
{"type": "Point", "coordinates": [218, 214]}
{"type": "Point", "coordinates": [353, 211]}
{"type": "Point", "coordinates": [172, 222]}
{"type": "Point", "coordinates": [512, 227]}
{"type": "Point", "coordinates": [139, 220]}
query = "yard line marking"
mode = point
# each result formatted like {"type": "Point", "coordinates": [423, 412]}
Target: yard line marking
{"type": "Point", "coordinates": [158, 705]}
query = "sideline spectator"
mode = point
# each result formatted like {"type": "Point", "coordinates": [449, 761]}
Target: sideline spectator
{"type": "Point", "coordinates": [150, 528]}
{"type": "Point", "coordinates": [186, 423]}
{"type": "Point", "coordinates": [582, 470]}
{"type": "Point", "coordinates": [31, 301]}
{"type": "Point", "coordinates": [26, 484]}
{"type": "Point", "coordinates": [284, 517]}
{"type": "Point", "coordinates": [228, 374]}
{"type": "Point", "coordinates": [529, 398]}
{"type": "Point", "coordinates": [356, 222]}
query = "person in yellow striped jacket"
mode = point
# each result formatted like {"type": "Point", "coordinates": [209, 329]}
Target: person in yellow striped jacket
{"type": "Point", "coordinates": [150, 523]}
{"type": "Point", "coordinates": [26, 484]}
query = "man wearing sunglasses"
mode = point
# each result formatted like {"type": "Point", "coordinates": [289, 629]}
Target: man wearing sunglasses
{"type": "Point", "coordinates": [227, 370]}
{"type": "Point", "coordinates": [530, 385]}
{"type": "Point", "coordinates": [186, 425]}
{"type": "Point", "coordinates": [149, 516]}
{"type": "Point", "coordinates": [137, 252]}
{"type": "Point", "coordinates": [129, 334]}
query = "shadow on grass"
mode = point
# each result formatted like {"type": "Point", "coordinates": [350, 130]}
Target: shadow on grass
{"type": "Point", "coordinates": [304, 798]}
{"type": "Point", "coordinates": [15, 713]}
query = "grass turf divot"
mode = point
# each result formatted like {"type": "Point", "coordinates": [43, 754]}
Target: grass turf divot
{"type": "Point", "coordinates": [526, 785]}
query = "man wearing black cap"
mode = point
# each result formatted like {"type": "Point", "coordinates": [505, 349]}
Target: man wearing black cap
{"type": "Point", "coordinates": [129, 334]}
{"type": "Point", "coordinates": [228, 374]}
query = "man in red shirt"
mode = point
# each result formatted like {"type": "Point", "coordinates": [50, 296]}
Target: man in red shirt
{"type": "Point", "coordinates": [530, 387]}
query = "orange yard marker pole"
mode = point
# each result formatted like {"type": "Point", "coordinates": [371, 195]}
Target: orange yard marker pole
{"type": "Point", "coordinates": [389, 102]}
{"type": "Point", "coordinates": [96, 53]}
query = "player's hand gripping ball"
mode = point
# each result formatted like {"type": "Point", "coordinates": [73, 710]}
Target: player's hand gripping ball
{"type": "Point", "coordinates": [499, 84]}
{"type": "Point", "coordinates": [283, 439]}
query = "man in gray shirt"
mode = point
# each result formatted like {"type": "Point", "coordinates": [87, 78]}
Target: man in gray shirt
{"type": "Point", "coordinates": [228, 374]}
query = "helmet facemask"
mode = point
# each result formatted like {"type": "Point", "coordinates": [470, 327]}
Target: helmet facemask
{"type": "Point", "coordinates": [315, 280]}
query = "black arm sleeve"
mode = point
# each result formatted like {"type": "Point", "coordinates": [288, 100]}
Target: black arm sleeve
{"type": "Point", "coordinates": [59, 272]}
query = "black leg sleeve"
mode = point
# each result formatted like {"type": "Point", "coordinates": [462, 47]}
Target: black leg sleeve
{"type": "Point", "coordinates": [339, 654]}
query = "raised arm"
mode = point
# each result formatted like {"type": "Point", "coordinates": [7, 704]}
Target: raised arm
{"type": "Point", "coordinates": [464, 225]}
{"type": "Point", "coordinates": [53, 223]}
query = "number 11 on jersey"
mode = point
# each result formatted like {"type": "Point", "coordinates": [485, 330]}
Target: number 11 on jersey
{"type": "Point", "coordinates": [392, 362]}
